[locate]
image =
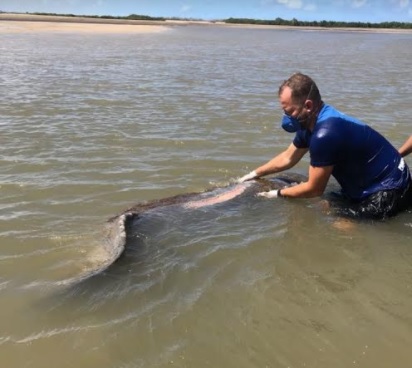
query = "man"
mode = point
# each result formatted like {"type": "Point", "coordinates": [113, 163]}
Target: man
{"type": "Point", "coordinates": [406, 148]}
{"type": "Point", "coordinates": [373, 176]}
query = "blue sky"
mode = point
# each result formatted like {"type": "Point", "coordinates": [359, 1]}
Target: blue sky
{"type": "Point", "coordinates": [339, 10]}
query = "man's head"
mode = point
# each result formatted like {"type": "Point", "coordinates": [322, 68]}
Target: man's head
{"type": "Point", "coordinates": [300, 100]}
{"type": "Point", "coordinates": [302, 88]}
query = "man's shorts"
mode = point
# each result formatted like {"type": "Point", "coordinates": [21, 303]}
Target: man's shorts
{"type": "Point", "coordinates": [377, 206]}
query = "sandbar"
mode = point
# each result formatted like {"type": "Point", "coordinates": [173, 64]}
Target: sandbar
{"type": "Point", "coordinates": [21, 22]}
{"type": "Point", "coordinates": [26, 23]}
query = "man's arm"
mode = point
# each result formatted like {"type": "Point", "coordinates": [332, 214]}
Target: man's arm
{"type": "Point", "coordinates": [314, 187]}
{"type": "Point", "coordinates": [406, 148]}
{"type": "Point", "coordinates": [285, 160]}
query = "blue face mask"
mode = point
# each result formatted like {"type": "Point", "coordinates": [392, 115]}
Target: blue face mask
{"type": "Point", "coordinates": [290, 124]}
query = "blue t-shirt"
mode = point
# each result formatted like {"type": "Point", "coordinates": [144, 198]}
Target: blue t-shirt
{"type": "Point", "coordinates": [364, 161]}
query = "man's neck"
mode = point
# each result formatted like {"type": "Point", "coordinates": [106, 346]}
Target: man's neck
{"type": "Point", "coordinates": [314, 118]}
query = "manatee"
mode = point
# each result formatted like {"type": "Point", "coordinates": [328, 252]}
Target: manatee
{"type": "Point", "coordinates": [119, 228]}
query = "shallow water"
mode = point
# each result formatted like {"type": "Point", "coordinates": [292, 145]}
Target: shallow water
{"type": "Point", "coordinates": [91, 124]}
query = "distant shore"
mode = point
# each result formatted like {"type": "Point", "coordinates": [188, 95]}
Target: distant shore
{"type": "Point", "coordinates": [20, 23]}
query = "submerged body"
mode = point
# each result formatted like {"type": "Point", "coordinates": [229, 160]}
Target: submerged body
{"type": "Point", "coordinates": [120, 225]}
{"type": "Point", "coordinates": [123, 230]}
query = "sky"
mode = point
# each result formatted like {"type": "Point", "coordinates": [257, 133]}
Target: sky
{"type": "Point", "coordinates": [374, 11]}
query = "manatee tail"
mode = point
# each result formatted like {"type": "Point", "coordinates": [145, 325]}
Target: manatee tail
{"type": "Point", "coordinates": [116, 236]}
{"type": "Point", "coordinates": [113, 246]}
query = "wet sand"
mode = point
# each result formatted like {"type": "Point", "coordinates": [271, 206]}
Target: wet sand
{"type": "Point", "coordinates": [18, 23]}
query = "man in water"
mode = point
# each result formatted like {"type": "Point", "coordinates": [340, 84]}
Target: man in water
{"type": "Point", "coordinates": [406, 148]}
{"type": "Point", "coordinates": [374, 178]}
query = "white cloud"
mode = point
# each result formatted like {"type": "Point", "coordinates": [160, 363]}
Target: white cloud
{"type": "Point", "coordinates": [292, 4]}
{"type": "Point", "coordinates": [404, 3]}
{"type": "Point", "coordinates": [185, 9]}
{"type": "Point", "coordinates": [358, 3]}
{"type": "Point", "coordinates": [310, 7]}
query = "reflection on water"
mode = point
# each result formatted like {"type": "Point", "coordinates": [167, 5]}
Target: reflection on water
{"type": "Point", "coordinates": [91, 124]}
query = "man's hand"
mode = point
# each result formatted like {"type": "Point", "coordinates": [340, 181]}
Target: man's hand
{"type": "Point", "coordinates": [249, 176]}
{"type": "Point", "coordinates": [271, 194]}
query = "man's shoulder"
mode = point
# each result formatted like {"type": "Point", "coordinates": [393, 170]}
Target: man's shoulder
{"type": "Point", "coordinates": [332, 114]}
{"type": "Point", "coordinates": [326, 112]}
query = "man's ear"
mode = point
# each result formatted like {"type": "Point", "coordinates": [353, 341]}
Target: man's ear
{"type": "Point", "coordinates": [309, 105]}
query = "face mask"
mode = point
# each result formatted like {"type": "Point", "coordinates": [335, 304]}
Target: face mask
{"type": "Point", "coordinates": [290, 124]}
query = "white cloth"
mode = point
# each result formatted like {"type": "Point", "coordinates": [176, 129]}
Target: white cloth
{"type": "Point", "coordinates": [246, 177]}
{"type": "Point", "coordinates": [271, 194]}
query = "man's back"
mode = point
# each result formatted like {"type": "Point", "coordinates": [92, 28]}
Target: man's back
{"type": "Point", "coordinates": [364, 161]}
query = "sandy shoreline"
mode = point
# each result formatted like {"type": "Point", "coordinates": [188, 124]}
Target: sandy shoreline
{"type": "Point", "coordinates": [21, 23]}
{"type": "Point", "coordinates": [25, 23]}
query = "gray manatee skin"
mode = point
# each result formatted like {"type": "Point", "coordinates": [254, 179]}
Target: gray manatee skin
{"type": "Point", "coordinates": [118, 227]}
{"type": "Point", "coordinates": [121, 230]}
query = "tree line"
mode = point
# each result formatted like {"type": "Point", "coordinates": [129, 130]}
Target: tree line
{"type": "Point", "coordinates": [322, 23]}
{"type": "Point", "coordinates": [128, 17]}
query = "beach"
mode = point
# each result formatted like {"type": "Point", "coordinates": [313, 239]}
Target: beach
{"type": "Point", "coordinates": [20, 23]}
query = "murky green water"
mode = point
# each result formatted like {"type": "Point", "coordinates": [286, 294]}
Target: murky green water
{"type": "Point", "coordinates": [91, 124]}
